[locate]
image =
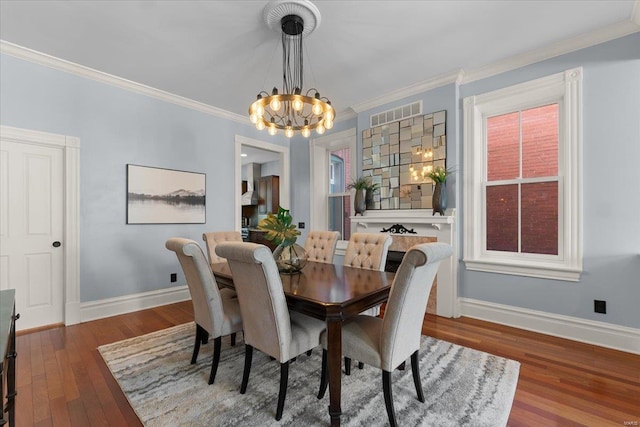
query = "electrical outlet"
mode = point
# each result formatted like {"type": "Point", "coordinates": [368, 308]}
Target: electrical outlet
{"type": "Point", "coordinates": [600, 306]}
{"type": "Point", "coordinates": [174, 277]}
{"type": "Point", "coordinates": [301, 225]}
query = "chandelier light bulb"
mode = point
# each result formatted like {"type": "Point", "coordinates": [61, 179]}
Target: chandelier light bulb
{"type": "Point", "coordinates": [253, 118]}
{"type": "Point", "coordinates": [260, 125]}
{"type": "Point", "coordinates": [316, 109]}
{"type": "Point", "coordinates": [306, 132]}
{"type": "Point", "coordinates": [275, 104]}
{"type": "Point", "coordinates": [272, 129]}
{"type": "Point", "coordinates": [289, 132]}
{"type": "Point", "coordinates": [328, 123]}
{"type": "Point", "coordinates": [297, 104]}
{"type": "Point", "coordinates": [320, 129]}
{"type": "Point", "coordinates": [259, 110]}
{"type": "Point", "coordinates": [329, 115]}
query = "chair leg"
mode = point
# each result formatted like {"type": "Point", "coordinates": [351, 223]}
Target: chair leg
{"type": "Point", "coordinates": [217, 344]}
{"type": "Point", "coordinates": [360, 365]}
{"type": "Point", "coordinates": [324, 375]}
{"type": "Point", "coordinates": [388, 398]}
{"type": "Point", "coordinates": [284, 380]}
{"type": "Point", "coordinates": [415, 368]}
{"type": "Point", "coordinates": [248, 355]}
{"type": "Point", "coordinates": [233, 339]}
{"type": "Point", "coordinates": [200, 332]}
{"type": "Point", "coordinates": [347, 366]}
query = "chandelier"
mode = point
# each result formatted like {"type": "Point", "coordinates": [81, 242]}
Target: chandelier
{"type": "Point", "coordinates": [293, 109]}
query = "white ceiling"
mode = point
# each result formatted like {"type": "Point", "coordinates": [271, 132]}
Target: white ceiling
{"type": "Point", "coordinates": [221, 53]}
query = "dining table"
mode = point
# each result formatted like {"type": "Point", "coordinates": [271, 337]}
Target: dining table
{"type": "Point", "coordinates": [333, 293]}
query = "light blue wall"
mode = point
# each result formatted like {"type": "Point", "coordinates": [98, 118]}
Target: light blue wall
{"type": "Point", "coordinates": [611, 194]}
{"type": "Point", "coordinates": [611, 184]}
{"type": "Point", "coordinates": [117, 127]}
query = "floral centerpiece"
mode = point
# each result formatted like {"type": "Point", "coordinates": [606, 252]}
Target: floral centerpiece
{"type": "Point", "coordinates": [290, 257]}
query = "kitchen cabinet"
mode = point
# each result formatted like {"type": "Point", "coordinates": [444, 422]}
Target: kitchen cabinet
{"type": "Point", "coordinates": [268, 194]}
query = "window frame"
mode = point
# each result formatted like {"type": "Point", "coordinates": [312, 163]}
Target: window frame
{"type": "Point", "coordinates": [565, 89]}
{"type": "Point", "coordinates": [319, 151]}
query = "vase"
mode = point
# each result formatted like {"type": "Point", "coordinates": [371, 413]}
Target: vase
{"type": "Point", "coordinates": [359, 203]}
{"type": "Point", "coordinates": [439, 199]}
{"type": "Point", "coordinates": [290, 258]}
{"type": "Point", "coordinates": [369, 200]}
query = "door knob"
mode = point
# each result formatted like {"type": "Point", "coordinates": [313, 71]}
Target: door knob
{"type": "Point", "coordinates": [56, 244]}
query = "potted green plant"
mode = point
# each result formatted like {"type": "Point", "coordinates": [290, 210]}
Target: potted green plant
{"type": "Point", "coordinates": [361, 185]}
{"type": "Point", "coordinates": [289, 256]}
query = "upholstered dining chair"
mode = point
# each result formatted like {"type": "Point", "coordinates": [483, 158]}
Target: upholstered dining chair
{"type": "Point", "coordinates": [321, 245]}
{"type": "Point", "coordinates": [216, 311]}
{"type": "Point", "coordinates": [212, 239]}
{"type": "Point", "coordinates": [367, 250]}
{"type": "Point", "coordinates": [387, 342]}
{"type": "Point", "coordinates": [268, 324]}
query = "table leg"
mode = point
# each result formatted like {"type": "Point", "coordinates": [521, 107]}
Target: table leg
{"type": "Point", "coordinates": [334, 359]}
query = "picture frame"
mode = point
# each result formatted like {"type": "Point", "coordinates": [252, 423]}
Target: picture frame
{"type": "Point", "coordinates": [165, 196]}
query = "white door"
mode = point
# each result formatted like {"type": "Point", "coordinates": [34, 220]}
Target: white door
{"type": "Point", "coordinates": [31, 231]}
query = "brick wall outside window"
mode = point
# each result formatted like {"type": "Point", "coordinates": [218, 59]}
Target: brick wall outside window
{"type": "Point", "coordinates": [531, 136]}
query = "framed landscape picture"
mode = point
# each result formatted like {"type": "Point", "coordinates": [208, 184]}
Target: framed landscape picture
{"type": "Point", "coordinates": [165, 196]}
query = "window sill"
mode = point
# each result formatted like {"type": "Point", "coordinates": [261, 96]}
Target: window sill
{"type": "Point", "coordinates": [553, 272]}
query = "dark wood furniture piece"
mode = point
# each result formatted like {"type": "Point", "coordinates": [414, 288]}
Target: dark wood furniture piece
{"type": "Point", "coordinates": [8, 319]}
{"type": "Point", "coordinates": [268, 194]}
{"type": "Point", "coordinates": [333, 293]}
{"type": "Point", "coordinates": [258, 236]}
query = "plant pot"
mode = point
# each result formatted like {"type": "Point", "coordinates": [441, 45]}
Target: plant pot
{"type": "Point", "coordinates": [359, 202]}
{"type": "Point", "coordinates": [369, 204]}
{"type": "Point", "coordinates": [290, 259]}
{"type": "Point", "coordinates": [439, 199]}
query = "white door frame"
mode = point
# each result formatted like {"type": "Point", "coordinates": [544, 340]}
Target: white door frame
{"type": "Point", "coordinates": [71, 216]}
{"type": "Point", "coordinates": [284, 171]}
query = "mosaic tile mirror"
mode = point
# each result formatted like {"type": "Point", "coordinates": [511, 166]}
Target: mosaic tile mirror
{"type": "Point", "coordinates": [398, 155]}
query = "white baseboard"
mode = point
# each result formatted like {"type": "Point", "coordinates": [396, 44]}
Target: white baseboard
{"type": "Point", "coordinates": [588, 331]}
{"type": "Point", "coordinates": [120, 305]}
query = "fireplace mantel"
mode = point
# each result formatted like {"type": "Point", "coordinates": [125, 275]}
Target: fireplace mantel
{"type": "Point", "coordinates": [423, 223]}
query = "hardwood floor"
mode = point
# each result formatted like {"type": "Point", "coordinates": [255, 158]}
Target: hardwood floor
{"type": "Point", "coordinates": [63, 381]}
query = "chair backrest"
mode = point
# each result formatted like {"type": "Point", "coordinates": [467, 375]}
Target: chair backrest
{"type": "Point", "coordinates": [321, 245]}
{"type": "Point", "coordinates": [207, 302]}
{"type": "Point", "coordinates": [407, 303]}
{"type": "Point", "coordinates": [265, 315]}
{"type": "Point", "coordinates": [212, 239]}
{"type": "Point", "coordinates": [367, 251]}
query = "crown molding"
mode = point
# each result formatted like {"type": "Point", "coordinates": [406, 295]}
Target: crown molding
{"type": "Point", "coordinates": [420, 87]}
{"type": "Point", "coordinates": [582, 41]}
{"type": "Point", "coordinates": [102, 77]}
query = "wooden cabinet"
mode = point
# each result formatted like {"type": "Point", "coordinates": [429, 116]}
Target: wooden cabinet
{"type": "Point", "coordinates": [268, 194]}
{"type": "Point", "coordinates": [8, 353]}
{"type": "Point", "coordinates": [257, 236]}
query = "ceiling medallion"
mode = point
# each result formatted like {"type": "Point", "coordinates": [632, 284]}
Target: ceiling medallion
{"type": "Point", "coordinates": [292, 109]}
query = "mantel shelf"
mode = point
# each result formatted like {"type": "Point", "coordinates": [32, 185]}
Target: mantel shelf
{"type": "Point", "coordinates": [422, 216]}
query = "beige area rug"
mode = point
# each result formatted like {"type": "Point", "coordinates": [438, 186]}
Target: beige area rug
{"type": "Point", "coordinates": [462, 387]}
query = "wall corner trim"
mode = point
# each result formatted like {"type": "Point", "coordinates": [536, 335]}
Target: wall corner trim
{"type": "Point", "coordinates": [587, 331]}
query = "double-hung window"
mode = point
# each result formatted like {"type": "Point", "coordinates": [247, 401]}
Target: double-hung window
{"type": "Point", "coordinates": [522, 212]}
{"type": "Point", "coordinates": [332, 169]}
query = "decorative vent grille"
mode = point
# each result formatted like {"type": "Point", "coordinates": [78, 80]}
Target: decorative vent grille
{"type": "Point", "coordinates": [396, 114]}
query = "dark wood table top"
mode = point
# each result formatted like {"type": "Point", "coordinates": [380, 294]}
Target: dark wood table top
{"type": "Point", "coordinates": [327, 290]}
